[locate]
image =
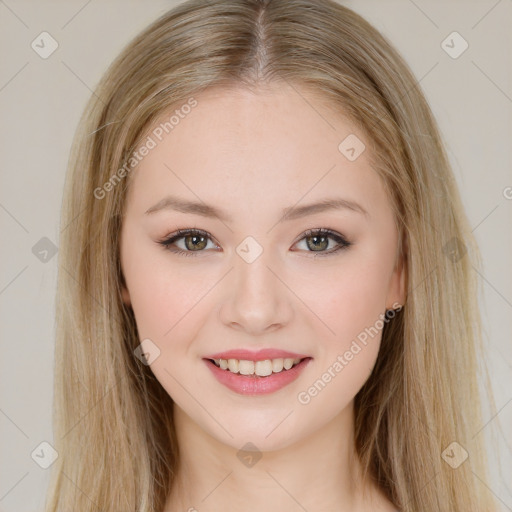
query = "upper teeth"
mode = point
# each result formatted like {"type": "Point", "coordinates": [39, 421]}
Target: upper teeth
{"type": "Point", "coordinates": [260, 368]}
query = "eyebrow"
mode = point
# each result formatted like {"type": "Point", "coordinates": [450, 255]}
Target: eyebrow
{"type": "Point", "coordinates": [289, 213]}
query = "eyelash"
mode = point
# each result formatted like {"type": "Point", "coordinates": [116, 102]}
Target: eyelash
{"type": "Point", "coordinates": [321, 232]}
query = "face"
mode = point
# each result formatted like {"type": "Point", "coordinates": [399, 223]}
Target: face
{"type": "Point", "coordinates": [313, 284]}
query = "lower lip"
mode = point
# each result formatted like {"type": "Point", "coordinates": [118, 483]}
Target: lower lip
{"type": "Point", "coordinates": [253, 384]}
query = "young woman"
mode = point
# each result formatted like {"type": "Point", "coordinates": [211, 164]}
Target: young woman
{"type": "Point", "coordinates": [266, 298]}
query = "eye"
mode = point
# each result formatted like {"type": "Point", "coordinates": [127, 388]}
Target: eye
{"type": "Point", "coordinates": [195, 240]}
{"type": "Point", "coordinates": [317, 240]}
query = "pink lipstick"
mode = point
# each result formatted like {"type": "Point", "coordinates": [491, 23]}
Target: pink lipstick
{"type": "Point", "coordinates": [236, 369]}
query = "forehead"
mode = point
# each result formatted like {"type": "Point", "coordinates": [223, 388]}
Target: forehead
{"type": "Point", "coordinates": [275, 143]}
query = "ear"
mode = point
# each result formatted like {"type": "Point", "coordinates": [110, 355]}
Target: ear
{"type": "Point", "coordinates": [397, 285]}
{"type": "Point", "coordinates": [125, 294]}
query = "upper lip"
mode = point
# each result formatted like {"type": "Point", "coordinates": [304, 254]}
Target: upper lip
{"type": "Point", "coordinates": [259, 355]}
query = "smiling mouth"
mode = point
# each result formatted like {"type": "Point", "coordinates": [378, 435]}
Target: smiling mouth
{"type": "Point", "coordinates": [254, 369]}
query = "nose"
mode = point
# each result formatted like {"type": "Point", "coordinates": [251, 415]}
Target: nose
{"type": "Point", "coordinates": [256, 300]}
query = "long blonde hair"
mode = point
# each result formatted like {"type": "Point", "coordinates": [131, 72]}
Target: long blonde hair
{"type": "Point", "coordinates": [113, 425]}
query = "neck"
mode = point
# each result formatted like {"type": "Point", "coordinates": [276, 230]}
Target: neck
{"type": "Point", "coordinates": [318, 472]}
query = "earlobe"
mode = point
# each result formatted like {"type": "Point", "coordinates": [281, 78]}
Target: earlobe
{"type": "Point", "coordinates": [125, 294]}
{"type": "Point", "coordinates": [397, 291]}
{"type": "Point", "coordinates": [402, 282]}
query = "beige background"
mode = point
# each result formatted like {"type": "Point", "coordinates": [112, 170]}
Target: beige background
{"type": "Point", "coordinates": [41, 101]}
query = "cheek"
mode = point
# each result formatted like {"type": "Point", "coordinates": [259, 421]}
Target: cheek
{"type": "Point", "coordinates": [347, 297]}
{"type": "Point", "coordinates": [352, 305]}
{"type": "Point", "coordinates": [352, 302]}
{"type": "Point", "coordinates": [162, 295]}
{"type": "Point", "coordinates": [163, 301]}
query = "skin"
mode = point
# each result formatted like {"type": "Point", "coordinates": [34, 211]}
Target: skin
{"type": "Point", "coordinates": [252, 154]}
